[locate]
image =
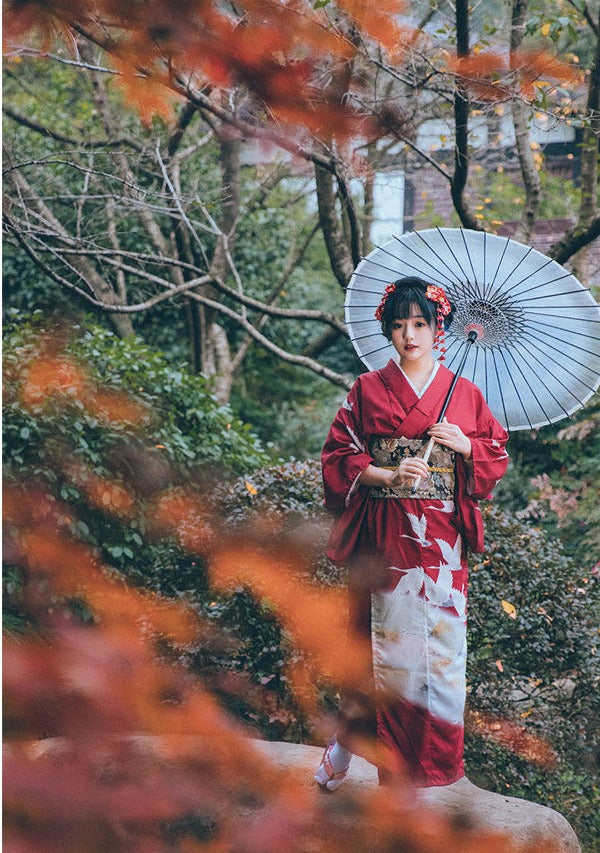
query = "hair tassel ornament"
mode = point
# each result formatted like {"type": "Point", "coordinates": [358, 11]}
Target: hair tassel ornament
{"type": "Point", "coordinates": [443, 308]}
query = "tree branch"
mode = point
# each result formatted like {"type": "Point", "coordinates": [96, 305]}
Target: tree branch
{"type": "Point", "coordinates": [114, 259]}
{"type": "Point", "coordinates": [109, 308]}
{"type": "Point", "coordinates": [574, 240]}
{"type": "Point", "coordinates": [184, 119]}
{"type": "Point", "coordinates": [300, 360]}
{"type": "Point", "coordinates": [101, 289]}
{"type": "Point", "coordinates": [43, 130]}
{"type": "Point", "coordinates": [587, 14]}
{"type": "Point", "coordinates": [188, 289]}
{"type": "Point", "coordinates": [591, 141]}
{"type": "Point", "coordinates": [322, 343]}
{"type": "Point", "coordinates": [275, 294]}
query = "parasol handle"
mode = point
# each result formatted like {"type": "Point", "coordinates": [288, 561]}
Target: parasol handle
{"type": "Point", "coordinates": [472, 336]}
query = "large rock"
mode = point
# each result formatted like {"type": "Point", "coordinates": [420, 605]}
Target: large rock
{"type": "Point", "coordinates": [529, 824]}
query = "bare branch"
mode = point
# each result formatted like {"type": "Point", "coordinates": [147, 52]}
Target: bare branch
{"type": "Point", "coordinates": [574, 240]}
{"type": "Point", "coordinates": [77, 63]}
{"type": "Point", "coordinates": [114, 258]}
{"type": "Point", "coordinates": [300, 360]}
{"type": "Point", "coordinates": [184, 120]}
{"type": "Point", "coordinates": [44, 130]}
{"type": "Point", "coordinates": [320, 344]}
{"type": "Point", "coordinates": [109, 308]}
{"type": "Point", "coordinates": [293, 262]}
{"type": "Point", "coordinates": [426, 157]}
{"type": "Point", "coordinates": [101, 288]}
{"type": "Point", "coordinates": [587, 14]}
{"type": "Point", "coordinates": [189, 289]}
{"type": "Point", "coordinates": [349, 210]}
{"type": "Point", "coordinates": [177, 201]}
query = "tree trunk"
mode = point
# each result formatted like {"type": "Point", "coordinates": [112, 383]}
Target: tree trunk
{"type": "Point", "coordinates": [461, 125]}
{"type": "Point", "coordinates": [340, 257]}
{"type": "Point", "coordinates": [590, 143]}
{"type": "Point", "coordinates": [520, 112]}
{"type": "Point", "coordinates": [215, 352]}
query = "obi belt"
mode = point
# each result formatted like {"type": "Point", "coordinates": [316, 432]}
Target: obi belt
{"type": "Point", "coordinates": [389, 453]}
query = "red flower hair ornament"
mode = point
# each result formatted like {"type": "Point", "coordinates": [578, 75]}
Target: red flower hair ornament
{"type": "Point", "coordinates": [434, 293]}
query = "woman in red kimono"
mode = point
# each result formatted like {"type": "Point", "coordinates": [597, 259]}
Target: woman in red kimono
{"type": "Point", "coordinates": [415, 609]}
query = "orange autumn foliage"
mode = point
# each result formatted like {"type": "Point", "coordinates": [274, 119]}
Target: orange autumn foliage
{"type": "Point", "coordinates": [380, 22]}
{"type": "Point", "coordinates": [492, 76]}
{"type": "Point", "coordinates": [514, 737]}
{"type": "Point", "coordinates": [183, 515]}
{"type": "Point", "coordinates": [51, 377]}
{"type": "Point", "coordinates": [316, 618]}
{"type": "Point", "coordinates": [107, 495]}
{"type": "Point", "coordinates": [137, 742]}
{"type": "Point", "coordinates": [274, 49]}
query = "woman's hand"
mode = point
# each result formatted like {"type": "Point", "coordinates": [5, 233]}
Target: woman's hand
{"type": "Point", "coordinates": [408, 472]}
{"type": "Point", "coordinates": [450, 435]}
{"type": "Point", "coordinates": [411, 469]}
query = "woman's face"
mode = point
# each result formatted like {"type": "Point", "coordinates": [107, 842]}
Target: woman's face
{"type": "Point", "coordinates": [413, 337]}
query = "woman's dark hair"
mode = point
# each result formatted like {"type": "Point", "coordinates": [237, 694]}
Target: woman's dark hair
{"type": "Point", "coordinates": [408, 292]}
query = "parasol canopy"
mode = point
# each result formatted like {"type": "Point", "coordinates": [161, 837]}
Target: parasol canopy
{"type": "Point", "coordinates": [537, 354]}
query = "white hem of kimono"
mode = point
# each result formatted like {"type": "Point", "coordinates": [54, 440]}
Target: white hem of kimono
{"type": "Point", "coordinates": [419, 642]}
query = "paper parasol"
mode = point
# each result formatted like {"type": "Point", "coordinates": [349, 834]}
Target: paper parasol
{"type": "Point", "coordinates": [537, 354]}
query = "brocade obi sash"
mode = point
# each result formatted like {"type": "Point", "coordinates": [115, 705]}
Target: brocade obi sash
{"type": "Point", "coordinates": [389, 452]}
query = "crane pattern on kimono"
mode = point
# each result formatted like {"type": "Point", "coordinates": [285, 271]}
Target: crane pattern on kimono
{"type": "Point", "coordinates": [436, 583]}
{"type": "Point", "coordinates": [419, 526]}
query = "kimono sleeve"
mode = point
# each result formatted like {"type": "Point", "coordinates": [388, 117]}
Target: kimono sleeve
{"type": "Point", "coordinates": [489, 458]}
{"type": "Point", "coordinates": [345, 453]}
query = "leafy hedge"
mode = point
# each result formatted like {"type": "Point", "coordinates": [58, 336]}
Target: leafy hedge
{"type": "Point", "coordinates": [188, 438]}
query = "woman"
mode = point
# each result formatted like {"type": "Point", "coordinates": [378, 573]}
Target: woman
{"type": "Point", "coordinates": [406, 546]}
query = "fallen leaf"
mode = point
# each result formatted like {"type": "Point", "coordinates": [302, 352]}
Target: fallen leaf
{"type": "Point", "coordinates": [509, 608]}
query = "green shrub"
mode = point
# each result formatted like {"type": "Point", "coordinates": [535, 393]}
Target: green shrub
{"type": "Point", "coordinates": [188, 438]}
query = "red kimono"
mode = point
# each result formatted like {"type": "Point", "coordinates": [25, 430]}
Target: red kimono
{"type": "Point", "coordinates": [415, 611]}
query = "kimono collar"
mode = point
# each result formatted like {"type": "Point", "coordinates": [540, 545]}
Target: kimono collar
{"type": "Point", "coordinates": [430, 403]}
{"type": "Point", "coordinates": [432, 375]}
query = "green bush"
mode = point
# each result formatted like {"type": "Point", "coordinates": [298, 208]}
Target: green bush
{"type": "Point", "coordinates": [188, 439]}
{"type": "Point", "coordinates": [536, 664]}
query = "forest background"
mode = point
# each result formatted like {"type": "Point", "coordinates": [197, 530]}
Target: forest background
{"type": "Point", "coordinates": [186, 195]}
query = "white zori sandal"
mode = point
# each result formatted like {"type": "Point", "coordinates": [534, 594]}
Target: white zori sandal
{"type": "Point", "coordinates": [326, 776]}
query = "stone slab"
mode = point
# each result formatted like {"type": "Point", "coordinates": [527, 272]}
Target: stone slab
{"type": "Point", "coordinates": [526, 822]}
